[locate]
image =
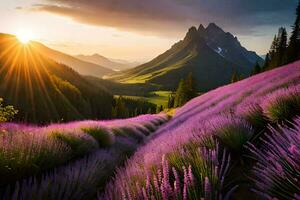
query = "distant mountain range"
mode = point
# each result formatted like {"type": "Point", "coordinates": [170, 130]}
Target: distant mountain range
{"type": "Point", "coordinates": [81, 66]}
{"type": "Point", "coordinates": [114, 64]}
{"type": "Point", "coordinates": [210, 54]}
{"type": "Point", "coordinates": [45, 91]}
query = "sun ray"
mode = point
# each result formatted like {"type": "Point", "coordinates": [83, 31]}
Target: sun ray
{"type": "Point", "coordinates": [25, 36]}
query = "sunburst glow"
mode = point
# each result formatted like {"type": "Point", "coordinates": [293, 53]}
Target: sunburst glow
{"type": "Point", "coordinates": [25, 36]}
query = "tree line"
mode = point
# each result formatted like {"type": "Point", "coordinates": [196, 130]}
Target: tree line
{"type": "Point", "coordinates": [283, 50]}
{"type": "Point", "coordinates": [124, 107]}
{"type": "Point", "coordinates": [186, 91]}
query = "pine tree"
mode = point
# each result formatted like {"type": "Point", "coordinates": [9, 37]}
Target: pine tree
{"type": "Point", "coordinates": [282, 47]}
{"type": "Point", "coordinates": [120, 109]}
{"type": "Point", "coordinates": [171, 100]}
{"type": "Point", "coordinates": [294, 43]}
{"type": "Point", "coordinates": [149, 111]}
{"type": "Point", "coordinates": [159, 109]}
{"type": "Point", "coordinates": [191, 87]}
{"type": "Point", "coordinates": [256, 69]}
{"type": "Point", "coordinates": [272, 53]}
{"type": "Point", "coordinates": [136, 113]}
{"type": "Point", "coordinates": [186, 90]}
{"type": "Point", "coordinates": [180, 96]}
{"type": "Point", "coordinates": [278, 51]}
{"type": "Point", "coordinates": [234, 77]}
{"type": "Point", "coordinates": [267, 63]}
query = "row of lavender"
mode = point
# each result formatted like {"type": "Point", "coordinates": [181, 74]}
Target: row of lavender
{"type": "Point", "coordinates": [67, 161]}
{"type": "Point", "coordinates": [203, 152]}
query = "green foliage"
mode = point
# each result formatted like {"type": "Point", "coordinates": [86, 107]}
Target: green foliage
{"type": "Point", "coordinates": [181, 94]}
{"type": "Point", "coordinates": [79, 145]}
{"type": "Point", "coordinates": [283, 109]}
{"type": "Point", "coordinates": [282, 52]}
{"type": "Point", "coordinates": [267, 62]}
{"type": "Point", "coordinates": [46, 92]}
{"type": "Point", "coordinates": [294, 43]}
{"type": "Point", "coordinates": [255, 117]}
{"type": "Point", "coordinates": [277, 54]}
{"type": "Point", "coordinates": [101, 135]}
{"type": "Point", "coordinates": [129, 132]}
{"type": "Point", "coordinates": [235, 77]}
{"type": "Point", "coordinates": [150, 127]}
{"type": "Point", "coordinates": [159, 109]}
{"type": "Point", "coordinates": [171, 100]}
{"type": "Point", "coordinates": [7, 113]}
{"type": "Point", "coordinates": [204, 163]}
{"type": "Point", "coordinates": [191, 86]}
{"type": "Point", "coordinates": [256, 69]}
{"type": "Point", "coordinates": [186, 91]}
{"type": "Point", "coordinates": [130, 107]}
{"type": "Point", "coordinates": [120, 110]}
{"type": "Point", "coordinates": [233, 136]}
{"type": "Point", "coordinates": [23, 154]}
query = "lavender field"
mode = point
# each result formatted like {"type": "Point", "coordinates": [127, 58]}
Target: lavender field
{"type": "Point", "coordinates": [150, 100]}
{"type": "Point", "coordinates": [240, 141]}
{"type": "Point", "coordinates": [67, 161]}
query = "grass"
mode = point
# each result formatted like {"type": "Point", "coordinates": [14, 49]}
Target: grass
{"type": "Point", "coordinates": [79, 145]}
{"type": "Point", "coordinates": [101, 135]}
{"type": "Point", "coordinates": [157, 97]}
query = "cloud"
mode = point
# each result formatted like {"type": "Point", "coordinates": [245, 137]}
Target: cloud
{"type": "Point", "coordinates": [167, 17]}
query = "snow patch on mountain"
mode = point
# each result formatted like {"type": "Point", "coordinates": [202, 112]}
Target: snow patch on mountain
{"type": "Point", "coordinates": [220, 51]}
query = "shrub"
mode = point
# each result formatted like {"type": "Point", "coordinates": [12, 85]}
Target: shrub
{"type": "Point", "coordinates": [253, 114]}
{"type": "Point", "coordinates": [101, 135]}
{"type": "Point", "coordinates": [7, 113]}
{"type": "Point", "coordinates": [127, 131]}
{"type": "Point", "coordinates": [231, 131]}
{"type": "Point", "coordinates": [276, 174]}
{"type": "Point", "coordinates": [185, 174]}
{"type": "Point", "coordinates": [283, 104]}
{"type": "Point", "coordinates": [80, 144]}
{"type": "Point", "coordinates": [27, 152]}
{"type": "Point", "coordinates": [150, 127]}
{"type": "Point", "coordinates": [77, 180]}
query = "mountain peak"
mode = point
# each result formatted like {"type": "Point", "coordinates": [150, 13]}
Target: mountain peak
{"type": "Point", "coordinates": [192, 33]}
{"type": "Point", "coordinates": [213, 28]}
{"type": "Point", "coordinates": [201, 28]}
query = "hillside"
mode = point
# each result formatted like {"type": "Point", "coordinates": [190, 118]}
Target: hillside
{"type": "Point", "coordinates": [81, 66]}
{"type": "Point", "coordinates": [211, 54]}
{"type": "Point", "coordinates": [235, 142]}
{"type": "Point", "coordinates": [116, 65]}
{"type": "Point", "coordinates": [45, 91]}
{"type": "Point", "coordinates": [68, 161]}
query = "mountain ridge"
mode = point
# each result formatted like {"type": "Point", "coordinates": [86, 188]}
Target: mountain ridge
{"type": "Point", "coordinates": [114, 64]}
{"type": "Point", "coordinates": [45, 91]}
{"type": "Point", "coordinates": [82, 67]}
{"type": "Point", "coordinates": [206, 52]}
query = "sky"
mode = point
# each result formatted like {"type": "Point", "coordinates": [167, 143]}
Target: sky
{"type": "Point", "coordinates": [139, 30]}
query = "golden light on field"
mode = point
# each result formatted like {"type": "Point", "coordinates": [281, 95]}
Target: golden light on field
{"type": "Point", "coordinates": [25, 36]}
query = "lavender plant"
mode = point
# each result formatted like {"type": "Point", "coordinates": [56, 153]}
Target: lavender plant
{"type": "Point", "coordinates": [101, 134]}
{"type": "Point", "coordinates": [80, 144]}
{"type": "Point", "coordinates": [231, 131]}
{"type": "Point", "coordinates": [283, 104]}
{"type": "Point", "coordinates": [28, 150]}
{"type": "Point", "coordinates": [23, 153]}
{"type": "Point", "coordinates": [77, 180]}
{"type": "Point", "coordinates": [277, 172]}
{"type": "Point", "coordinates": [192, 172]}
{"type": "Point", "coordinates": [253, 114]}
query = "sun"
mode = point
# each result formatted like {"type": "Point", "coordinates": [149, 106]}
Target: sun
{"type": "Point", "coordinates": [24, 36]}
